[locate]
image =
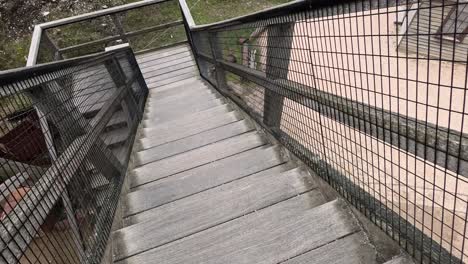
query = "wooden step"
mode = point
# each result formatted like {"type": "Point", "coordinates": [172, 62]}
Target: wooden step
{"type": "Point", "coordinates": [187, 97]}
{"type": "Point", "coordinates": [208, 189]}
{"type": "Point", "coordinates": [162, 62]}
{"type": "Point", "coordinates": [118, 120]}
{"type": "Point", "coordinates": [151, 137]}
{"type": "Point", "coordinates": [180, 109]}
{"type": "Point", "coordinates": [194, 158]}
{"type": "Point", "coordinates": [192, 142]}
{"type": "Point", "coordinates": [189, 118]}
{"type": "Point", "coordinates": [207, 176]}
{"type": "Point", "coordinates": [162, 53]}
{"type": "Point", "coordinates": [155, 72]}
{"type": "Point", "coordinates": [98, 181]}
{"type": "Point", "coordinates": [178, 70]}
{"type": "Point", "coordinates": [213, 207]}
{"type": "Point", "coordinates": [115, 137]}
{"type": "Point", "coordinates": [403, 259]}
{"type": "Point", "coordinates": [184, 82]}
{"type": "Point", "coordinates": [172, 80]}
{"type": "Point", "coordinates": [271, 235]}
{"type": "Point", "coordinates": [177, 90]}
{"type": "Point", "coordinates": [352, 249]}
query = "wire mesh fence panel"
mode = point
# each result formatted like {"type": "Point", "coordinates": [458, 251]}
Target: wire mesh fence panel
{"type": "Point", "coordinates": [66, 133]}
{"type": "Point", "coordinates": [370, 94]}
{"type": "Point", "coordinates": [150, 26]}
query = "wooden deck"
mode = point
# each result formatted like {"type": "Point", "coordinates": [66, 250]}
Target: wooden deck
{"type": "Point", "coordinates": [207, 187]}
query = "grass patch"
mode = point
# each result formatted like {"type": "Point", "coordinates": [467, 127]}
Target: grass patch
{"type": "Point", "coordinates": [209, 11]}
{"type": "Point", "coordinates": [13, 52]}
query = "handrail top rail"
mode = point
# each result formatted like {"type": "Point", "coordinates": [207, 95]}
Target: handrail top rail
{"type": "Point", "coordinates": [99, 13]}
{"type": "Point", "coordinates": [37, 34]}
{"type": "Point", "coordinates": [13, 75]}
{"type": "Point", "coordinates": [38, 29]}
{"type": "Point", "coordinates": [268, 12]}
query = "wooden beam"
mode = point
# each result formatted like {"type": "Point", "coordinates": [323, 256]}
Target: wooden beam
{"type": "Point", "coordinates": [217, 54]}
{"type": "Point", "coordinates": [279, 43]}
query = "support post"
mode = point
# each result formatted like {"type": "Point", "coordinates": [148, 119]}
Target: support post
{"type": "Point", "coordinates": [54, 46]}
{"type": "Point", "coordinates": [119, 27]}
{"type": "Point", "coordinates": [77, 239]}
{"type": "Point", "coordinates": [129, 105]}
{"type": "Point", "coordinates": [217, 53]}
{"type": "Point", "coordinates": [279, 44]}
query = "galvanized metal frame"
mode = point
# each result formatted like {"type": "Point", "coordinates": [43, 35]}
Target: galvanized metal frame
{"type": "Point", "coordinates": [430, 142]}
{"type": "Point", "coordinates": [83, 145]}
{"type": "Point", "coordinates": [40, 28]}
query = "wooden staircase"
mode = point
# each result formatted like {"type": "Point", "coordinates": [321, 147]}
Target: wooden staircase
{"type": "Point", "coordinates": [208, 187]}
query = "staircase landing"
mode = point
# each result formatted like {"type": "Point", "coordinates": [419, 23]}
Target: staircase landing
{"type": "Point", "coordinates": [207, 187]}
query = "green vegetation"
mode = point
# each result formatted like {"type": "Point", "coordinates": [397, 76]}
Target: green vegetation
{"type": "Point", "coordinates": [15, 47]}
{"type": "Point", "coordinates": [13, 52]}
{"type": "Point", "coordinates": [209, 11]}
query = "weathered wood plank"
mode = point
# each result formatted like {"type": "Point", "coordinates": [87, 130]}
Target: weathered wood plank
{"type": "Point", "coordinates": [173, 79]}
{"type": "Point", "coordinates": [153, 136]}
{"type": "Point", "coordinates": [404, 259]}
{"type": "Point", "coordinates": [193, 142]}
{"type": "Point", "coordinates": [191, 159]}
{"type": "Point", "coordinates": [172, 95]}
{"type": "Point", "coordinates": [169, 62]}
{"type": "Point", "coordinates": [169, 53]}
{"type": "Point", "coordinates": [162, 107]}
{"type": "Point", "coordinates": [167, 59]}
{"type": "Point", "coordinates": [205, 177]}
{"type": "Point", "coordinates": [118, 119]}
{"type": "Point", "coordinates": [194, 118]}
{"type": "Point", "coordinates": [156, 87]}
{"type": "Point", "coordinates": [353, 249]}
{"type": "Point", "coordinates": [256, 188]}
{"type": "Point", "coordinates": [177, 111]}
{"type": "Point", "coordinates": [150, 72]}
{"type": "Point", "coordinates": [172, 74]}
{"type": "Point", "coordinates": [192, 84]}
{"type": "Point", "coordinates": [184, 96]}
{"type": "Point", "coordinates": [116, 136]}
{"type": "Point", "coordinates": [212, 207]}
{"type": "Point", "coordinates": [272, 235]}
{"type": "Point", "coordinates": [162, 53]}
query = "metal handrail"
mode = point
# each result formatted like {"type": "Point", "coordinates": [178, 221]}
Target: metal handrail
{"type": "Point", "coordinates": [116, 37]}
{"type": "Point", "coordinates": [272, 11]}
{"type": "Point", "coordinates": [61, 84]}
{"type": "Point", "coordinates": [39, 29]}
{"type": "Point", "coordinates": [240, 19]}
{"type": "Point", "coordinates": [104, 12]}
{"type": "Point", "coordinates": [261, 93]}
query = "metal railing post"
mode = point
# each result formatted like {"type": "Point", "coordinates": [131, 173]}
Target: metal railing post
{"type": "Point", "coordinates": [54, 46]}
{"type": "Point", "coordinates": [279, 43]}
{"type": "Point", "coordinates": [120, 29]}
{"type": "Point", "coordinates": [217, 53]}
{"type": "Point", "coordinates": [37, 97]}
{"type": "Point", "coordinates": [129, 106]}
